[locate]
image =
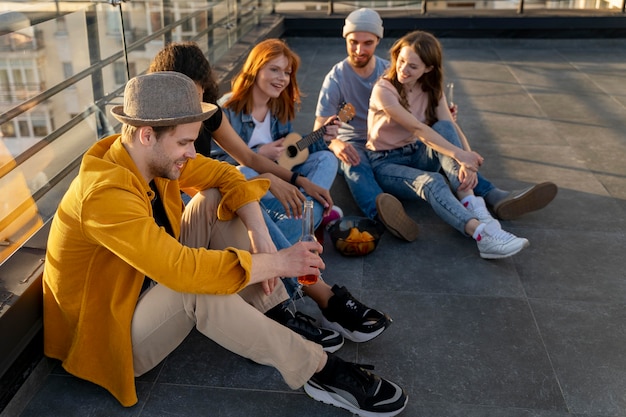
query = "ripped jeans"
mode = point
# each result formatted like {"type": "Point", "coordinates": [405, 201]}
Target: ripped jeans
{"type": "Point", "coordinates": [412, 172]}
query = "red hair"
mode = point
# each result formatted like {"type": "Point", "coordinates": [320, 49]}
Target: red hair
{"type": "Point", "coordinates": [284, 107]}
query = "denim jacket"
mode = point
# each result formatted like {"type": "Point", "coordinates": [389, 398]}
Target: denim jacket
{"type": "Point", "coordinates": [243, 124]}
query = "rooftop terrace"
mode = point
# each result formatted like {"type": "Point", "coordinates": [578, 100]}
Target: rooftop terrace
{"type": "Point", "coordinates": [541, 334]}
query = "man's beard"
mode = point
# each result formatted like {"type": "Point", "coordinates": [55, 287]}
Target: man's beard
{"type": "Point", "coordinates": [359, 64]}
{"type": "Point", "coordinates": [164, 168]}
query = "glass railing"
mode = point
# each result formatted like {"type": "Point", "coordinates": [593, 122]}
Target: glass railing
{"type": "Point", "coordinates": [63, 65]}
{"type": "Point", "coordinates": [420, 7]}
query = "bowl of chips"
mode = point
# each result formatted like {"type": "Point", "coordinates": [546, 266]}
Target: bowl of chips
{"type": "Point", "coordinates": [355, 236]}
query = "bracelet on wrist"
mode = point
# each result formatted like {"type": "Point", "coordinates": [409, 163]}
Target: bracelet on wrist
{"type": "Point", "coordinates": [294, 178]}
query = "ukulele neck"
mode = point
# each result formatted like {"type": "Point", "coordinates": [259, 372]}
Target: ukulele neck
{"type": "Point", "coordinates": [311, 138]}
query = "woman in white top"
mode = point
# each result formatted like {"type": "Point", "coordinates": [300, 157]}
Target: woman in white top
{"type": "Point", "coordinates": [412, 136]}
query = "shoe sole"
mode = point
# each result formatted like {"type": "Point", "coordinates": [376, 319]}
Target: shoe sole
{"type": "Point", "coordinates": [505, 255]}
{"type": "Point", "coordinates": [339, 402]}
{"type": "Point", "coordinates": [536, 198]}
{"type": "Point", "coordinates": [328, 349]}
{"type": "Point", "coordinates": [395, 219]}
{"type": "Point", "coordinates": [355, 336]}
{"type": "Point", "coordinates": [332, 349]}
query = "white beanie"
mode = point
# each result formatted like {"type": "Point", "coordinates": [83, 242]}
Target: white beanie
{"type": "Point", "coordinates": [363, 20]}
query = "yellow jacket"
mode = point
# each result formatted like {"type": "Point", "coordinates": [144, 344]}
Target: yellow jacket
{"type": "Point", "coordinates": [104, 240]}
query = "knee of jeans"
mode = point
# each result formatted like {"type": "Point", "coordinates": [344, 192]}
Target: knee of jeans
{"type": "Point", "coordinates": [443, 125]}
{"type": "Point", "coordinates": [328, 160]}
{"type": "Point", "coordinates": [446, 129]}
{"type": "Point", "coordinates": [435, 181]}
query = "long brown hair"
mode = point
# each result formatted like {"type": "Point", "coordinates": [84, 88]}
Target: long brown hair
{"type": "Point", "coordinates": [284, 107]}
{"type": "Point", "coordinates": [428, 48]}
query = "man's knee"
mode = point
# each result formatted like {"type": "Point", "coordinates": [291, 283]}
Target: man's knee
{"type": "Point", "coordinates": [200, 227]}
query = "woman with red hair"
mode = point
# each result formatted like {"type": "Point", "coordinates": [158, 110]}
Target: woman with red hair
{"type": "Point", "coordinates": [261, 106]}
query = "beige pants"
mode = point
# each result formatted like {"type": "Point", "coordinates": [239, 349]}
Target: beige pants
{"type": "Point", "coordinates": [163, 317]}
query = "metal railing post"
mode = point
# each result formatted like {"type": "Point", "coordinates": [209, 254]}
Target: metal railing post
{"type": "Point", "coordinates": [331, 7]}
{"type": "Point", "coordinates": [118, 4]}
{"type": "Point", "coordinates": [424, 7]}
{"type": "Point", "coordinates": [520, 8]}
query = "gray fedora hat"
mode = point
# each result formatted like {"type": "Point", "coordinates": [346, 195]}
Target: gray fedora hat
{"type": "Point", "coordinates": [163, 98]}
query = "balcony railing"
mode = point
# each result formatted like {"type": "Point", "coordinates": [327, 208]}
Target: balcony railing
{"type": "Point", "coordinates": [85, 62]}
{"type": "Point", "coordinates": [423, 6]}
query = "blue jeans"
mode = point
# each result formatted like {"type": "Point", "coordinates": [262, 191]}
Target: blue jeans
{"type": "Point", "coordinates": [483, 187]}
{"type": "Point", "coordinates": [412, 172]}
{"type": "Point", "coordinates": [447, 130]}
{"type": "Point", "coordinates": [361, 181]}
{"type": "Point", "coordinates": [320, 168]}
{"type": "Point", "coordinates": [281, 242]}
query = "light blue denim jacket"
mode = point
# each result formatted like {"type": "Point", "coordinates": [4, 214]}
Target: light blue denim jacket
{"type": "Point", "coordinates": [244, 126]}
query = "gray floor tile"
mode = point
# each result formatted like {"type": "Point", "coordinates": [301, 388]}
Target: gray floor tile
{"type": "Point", "coordinates": [440, 261]}
{"type": "Point", "coordinates": [67, 396]}
{"type": "Point", "coordinates": [178, 400]}
{"type": "Point", "coordinates": [199, 361]}
{"type": "Point", "coordinates": [586, 346]}
{"type": "Point", "coordinates": [579, 267]}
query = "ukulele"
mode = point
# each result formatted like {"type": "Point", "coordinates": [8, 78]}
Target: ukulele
{"type": "Point", "coordinates": [297, 147]}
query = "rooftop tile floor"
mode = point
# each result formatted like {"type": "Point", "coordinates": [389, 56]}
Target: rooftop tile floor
{"type": "Point", "coordinates": [541, 334]}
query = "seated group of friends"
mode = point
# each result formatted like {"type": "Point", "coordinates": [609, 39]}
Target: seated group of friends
{"type": "Point", "coordinates": [132, 266]}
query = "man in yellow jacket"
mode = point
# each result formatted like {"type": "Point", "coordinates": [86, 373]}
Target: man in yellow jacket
{"type": "Point", "coordinates": [130, 271]}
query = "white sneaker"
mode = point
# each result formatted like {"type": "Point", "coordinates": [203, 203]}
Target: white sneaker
{"type": "Point", "coordinates": [495, 243]}
{"type": "Point", "coordinates": [478, 208]}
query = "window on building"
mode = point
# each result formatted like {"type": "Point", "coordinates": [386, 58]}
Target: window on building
{"type": "Point", "coordinates": [68, 70]}
{"type": "Point", "coordinates": [24, 128]}
{"type": "Point", "coordinates": [40, 128]}
{"type": "Point", "coordinates": [8, 130]}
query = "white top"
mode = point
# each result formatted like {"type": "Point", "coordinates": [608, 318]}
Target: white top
{"type": "Point", "coordinates": [261, 134]}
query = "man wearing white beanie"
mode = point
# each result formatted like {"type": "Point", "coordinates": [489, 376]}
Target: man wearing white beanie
{"type": "Point", "coordinates": [351, 81]}
{"type": "Point", "coordinates": [363, 20]}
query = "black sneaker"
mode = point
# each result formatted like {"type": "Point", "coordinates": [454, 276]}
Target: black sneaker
{"type": "Point", "coordinates": [352, 387]}
{"type": "Point", "coordinates": [354, 320]}
{"type": "Point", "coordinates": [305, 326]}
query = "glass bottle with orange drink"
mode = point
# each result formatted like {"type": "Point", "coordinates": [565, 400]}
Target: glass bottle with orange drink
{"type": "Point", "coordinates": [308, 235]}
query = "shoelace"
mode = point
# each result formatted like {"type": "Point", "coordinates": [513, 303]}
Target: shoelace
{"type": "Point", "coordinates": [358, 312]}
{"type": "Point", "coordinates": [479, 211]}
{"type": "Point", "coordinates": [358, 375]}
{"type": "Point", "coordinates": [356, 307]}
{"type": "Point", "coordinates": [500, 234]}
{"type": "Point", "coordinates": [305, 322]}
